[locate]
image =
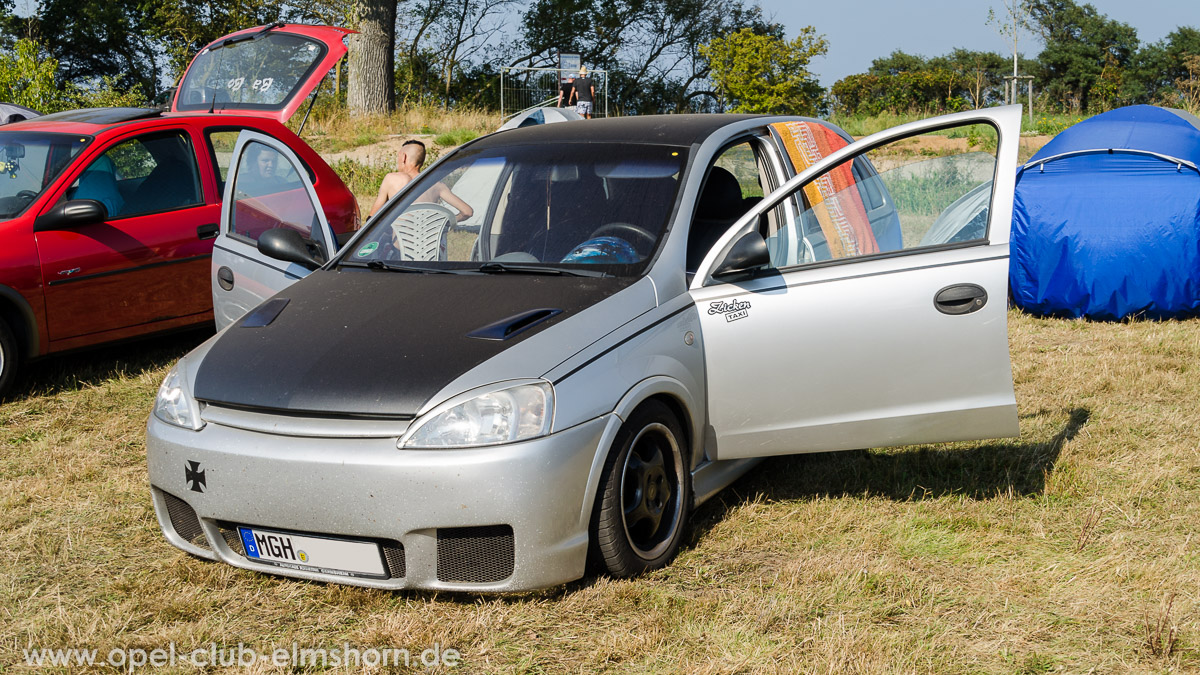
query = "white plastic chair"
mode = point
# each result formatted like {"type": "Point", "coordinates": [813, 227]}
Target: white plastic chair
{"type": "Point", "coordinates": [420, 232]}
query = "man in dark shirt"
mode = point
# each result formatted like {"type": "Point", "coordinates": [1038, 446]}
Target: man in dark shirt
{"type": "Point", "coordinates": [565, 91]}
{"type": "Point", "coordinates": [584, 93]}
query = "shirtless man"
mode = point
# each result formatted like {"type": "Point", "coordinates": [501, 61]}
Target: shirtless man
{"type": "Point", "coordinates": [408, 165]}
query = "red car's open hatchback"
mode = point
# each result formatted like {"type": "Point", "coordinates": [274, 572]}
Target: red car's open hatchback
{"type": "Point", "coordinates": [108, 215]}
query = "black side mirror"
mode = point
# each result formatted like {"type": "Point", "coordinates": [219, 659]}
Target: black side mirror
{"type": "Point", "coordinates": [70, 214]}
{"type": "Point", "coordinates": [749, 253]}
{"type": "Point", "coordinates": [282, 243]}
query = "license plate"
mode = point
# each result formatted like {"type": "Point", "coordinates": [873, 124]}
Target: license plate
{"type": "Point", "coordinates": [313, 554]}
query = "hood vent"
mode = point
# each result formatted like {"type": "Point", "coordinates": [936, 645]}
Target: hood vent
{"type": "Point", "coordinates": [265, 313]}
{"type": "Point", "coordinates": [513, 325]}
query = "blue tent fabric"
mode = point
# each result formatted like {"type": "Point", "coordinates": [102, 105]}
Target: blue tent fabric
{"type": "Point", "coordinates": [1106, 235]}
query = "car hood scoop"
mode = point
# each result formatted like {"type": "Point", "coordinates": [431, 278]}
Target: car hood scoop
{"type": "Point", "coordinates": [377, 344]}
{"type": "Point", "coordinates": [510, 327]}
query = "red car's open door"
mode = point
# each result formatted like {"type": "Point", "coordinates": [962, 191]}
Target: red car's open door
{"type": "Point", "coordinates": [266, 71]}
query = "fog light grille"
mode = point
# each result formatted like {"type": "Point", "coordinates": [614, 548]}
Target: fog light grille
{"type": "Point", "coordinates": [475, 554]}
{"type": "Point", "coordinates": [184, 520]}
{"type": "Point", "coordinates": [232, 538]}
{"type": "Point", "coordinates": [393, 555]}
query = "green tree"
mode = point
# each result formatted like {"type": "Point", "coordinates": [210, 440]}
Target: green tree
{"type": "Point", "coordinates": [898, 62]}
{"type": "Point", "coordinates": [1156, 69]}
{"type": "Point", "coordinates": [764, 74]}
{"type": "Point", "coordinates": [926, 91]}
{"type": "Point", "coordinates": [1085, 54]}
{"type": "Point", "coordinates": [30, 78]}
{"type": "Point", "coordinates": [93, 40]}
{"type": "Point", "coordinates": [979, 75]}
{"type": "Point", "coordinates": [182, 28]}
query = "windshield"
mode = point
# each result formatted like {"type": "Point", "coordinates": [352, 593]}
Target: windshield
{"type": "Point", "coordinates": [592, 207]}
{"type": "Point", "coordinates": [250, 72]}
{"type": "Point", "coordinates": [29, 163]}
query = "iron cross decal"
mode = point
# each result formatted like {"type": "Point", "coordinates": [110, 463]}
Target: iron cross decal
{"type": "Point", "coordinates": [193, 475]}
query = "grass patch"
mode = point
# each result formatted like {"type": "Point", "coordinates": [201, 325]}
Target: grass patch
{"type": "Point", "coordinates": [963, 557]}
{"type": "Point", "coordinates": [333, 129]}
{"type": "Point", "coordinates": [456, 137]}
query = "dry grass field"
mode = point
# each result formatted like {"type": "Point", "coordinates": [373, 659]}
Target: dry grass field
{"type": "Point", "coordinates": [1073, 548]}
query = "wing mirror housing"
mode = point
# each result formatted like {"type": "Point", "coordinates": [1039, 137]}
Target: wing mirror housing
{"type": "Point", "coordinates": [286, 244]}
{"type": "Point", "coordinates": [73, 213]}
{"type": "Point", "coordinates": [748, 254]}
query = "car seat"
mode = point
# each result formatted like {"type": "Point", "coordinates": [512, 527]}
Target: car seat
{"type": "Point", "coordinates": [719, 207]}
{"type": "Point", "coordinates": [99, 182]}
{"type": "Point", "coordinates": [172, 184]}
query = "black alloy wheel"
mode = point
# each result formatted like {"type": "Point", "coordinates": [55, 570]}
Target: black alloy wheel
{"type": "Point", "coordinates": [644, 496]}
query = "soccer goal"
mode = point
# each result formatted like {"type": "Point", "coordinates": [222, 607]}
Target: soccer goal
{"type": "Point", "coordinates": [524, 89]}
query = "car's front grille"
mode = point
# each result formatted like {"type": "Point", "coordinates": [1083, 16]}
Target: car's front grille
{"type": "Point", "coordinates": [272, 421]}
{"type": "Point", "coordinates": [475, 554]}
{"type": "Point", "coordinates": [184, 520]}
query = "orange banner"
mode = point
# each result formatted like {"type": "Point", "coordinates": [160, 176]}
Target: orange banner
{"type": "Point", "coordinates": [839, 210]}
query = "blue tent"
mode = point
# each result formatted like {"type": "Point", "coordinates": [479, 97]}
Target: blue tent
{"type": "Point", "coordinates": [1106, 219]}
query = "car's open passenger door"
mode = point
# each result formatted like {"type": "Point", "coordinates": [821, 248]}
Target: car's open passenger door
{"type": "Point", "coordinates": [267, 189]}
{"type": "Point", "coordinates": [878, 331]}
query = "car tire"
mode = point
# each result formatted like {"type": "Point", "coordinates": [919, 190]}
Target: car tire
{"type": "Point", "coordinates": [644, 495]}
{"type": "Point", "coordinates": [10, 359]}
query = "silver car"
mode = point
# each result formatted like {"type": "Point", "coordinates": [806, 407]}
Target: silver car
{"type": "Point", "coordinates": [625, 316]}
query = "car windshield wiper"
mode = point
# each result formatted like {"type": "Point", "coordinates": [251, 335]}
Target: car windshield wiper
{"type": "Point", "coordinates": [385, 266]}
{"type": "Point", "coordinates": [517, 268]}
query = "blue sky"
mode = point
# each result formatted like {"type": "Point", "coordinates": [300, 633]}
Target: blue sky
{"type": "Point", "coordinates": [862, 30]}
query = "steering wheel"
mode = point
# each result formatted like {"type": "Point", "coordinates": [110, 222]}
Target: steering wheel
{"type": "Point", "coordinates": [27, 195]}
{"type": "Point", "coordinates": [626, 228]}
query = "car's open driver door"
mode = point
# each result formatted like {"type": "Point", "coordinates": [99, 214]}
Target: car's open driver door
{"type": "Point", "coordinates": [267, 189]}
{"type": "Point", "coordinates": [882, 340]}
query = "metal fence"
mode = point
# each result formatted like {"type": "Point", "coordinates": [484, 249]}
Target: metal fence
{"type": "Point", "coordinates": [523, 89]}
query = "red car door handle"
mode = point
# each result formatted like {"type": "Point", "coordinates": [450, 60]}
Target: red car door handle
{"type": "Point", "coordinates": [208, 231]}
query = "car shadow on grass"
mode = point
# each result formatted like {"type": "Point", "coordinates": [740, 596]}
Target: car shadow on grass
{"type": "Point", "coordinates": [90, 367]}
{"type": "Point", "coordinates": [985, 471]}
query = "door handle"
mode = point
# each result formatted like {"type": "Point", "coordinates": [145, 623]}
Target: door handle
{"type": "Point", "coordinates": [960, 299]}
{"type": "Point", "coordinates": [225, 278]}
{"type": "Point", "coordinates": [208, 231]}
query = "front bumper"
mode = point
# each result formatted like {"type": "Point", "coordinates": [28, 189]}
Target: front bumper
{"type": "Point", "coordinates": [431, 505]}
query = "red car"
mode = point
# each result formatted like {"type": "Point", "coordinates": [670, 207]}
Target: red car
{"type": "Point", "coordinates": [108, 216]}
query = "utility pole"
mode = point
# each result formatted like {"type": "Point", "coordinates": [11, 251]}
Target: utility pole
{"type": "Point", "coordinates": [1014, 37]}
{"type": "Point", "coordinates": [1015, 10]}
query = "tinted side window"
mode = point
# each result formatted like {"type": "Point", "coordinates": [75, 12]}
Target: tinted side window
{"type": "Point", "coordinates": [895, 197]}
{"type": "Point", "coordinates": [220, 144]}
{"type": "Point", "coordinates": [147, 174]}
{"type": "Point", "coordinates": [268, 193]}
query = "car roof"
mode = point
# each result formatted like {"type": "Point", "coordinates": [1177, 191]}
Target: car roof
{"type": "Point", "coordinates": [94, 121]}
{"type": "Point", "coordinates": [662, 129]}
{"type": "Point", "coordinates": [97, 118]}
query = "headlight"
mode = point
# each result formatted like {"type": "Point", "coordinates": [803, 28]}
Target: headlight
{"type": "Point", "coordinates": [514, 413]}
{"type": "Point", "coordinates": [175, 405]}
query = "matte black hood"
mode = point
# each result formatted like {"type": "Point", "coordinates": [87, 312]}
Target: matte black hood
{"type": "Point", "coordinates": [363, 342]}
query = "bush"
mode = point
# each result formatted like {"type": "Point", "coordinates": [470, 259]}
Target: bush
{"type": "Point", "coordinates": [925, 91]}
{"type": "Point", "coordinates": [29, 80]}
